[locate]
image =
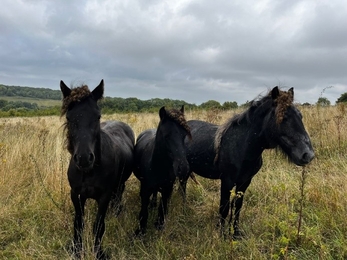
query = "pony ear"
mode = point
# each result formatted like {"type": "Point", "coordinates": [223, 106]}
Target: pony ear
{"type": "Point", "coordinates": [275, 92]}
{"type": "Point", "coordinates": [64, 89]}
{"type": "Point", "coordinates": [291, 91]}
{"type": "Point", "coordinates": [98, 92]}
{"type": "Point", "coordinates": [182, 109]}
{"type": "Point", "coordinates": [162, 113]}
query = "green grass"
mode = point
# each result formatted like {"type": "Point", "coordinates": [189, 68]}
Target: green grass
{"type": "Point", "coordinates": [36, 212]}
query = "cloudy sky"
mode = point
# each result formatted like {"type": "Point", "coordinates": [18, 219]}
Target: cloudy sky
{"type": "Point", "coordinates": [194, 50]}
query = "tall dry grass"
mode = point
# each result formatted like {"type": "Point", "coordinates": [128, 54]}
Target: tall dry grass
{"type": "Point", "coordinates": [36, 213]}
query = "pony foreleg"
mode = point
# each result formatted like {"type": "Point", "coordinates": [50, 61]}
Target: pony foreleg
{"type": "Point", "coordinates": [240, 190]}
{"type": "Point", "coordinates": [183, 184]}
{"type": "Point", "coordinates": [226, 186]}
{"type": "Point", "coordinates": [163, 206]}
{"type": "Point", "coordinates": [78, 202]}
{"type": "Point", "coordinates": [238, 205]}
{"type": "Point", "coordinates": [99, 227]}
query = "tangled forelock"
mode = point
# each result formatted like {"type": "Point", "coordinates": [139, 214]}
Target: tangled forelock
{"type": "Point", "coordinates": [283, 101]}
{"type": "Point", "coordinates": [76, 95]}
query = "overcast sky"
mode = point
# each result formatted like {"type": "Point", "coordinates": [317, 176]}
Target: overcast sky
{"type": "Point", "coordinates": [194, 50]}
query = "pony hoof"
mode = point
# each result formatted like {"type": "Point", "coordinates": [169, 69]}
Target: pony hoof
{"type": "Point", "coordinates": [159, 226]}
{"type": "Point", "coordinates": [102, 255]}
{"type": "Point", "coordinates": [152, 205]}
{"type": "Point", "coordinates": [238, 235]}
{"type": "Point", "coordinates": [218, 225]}
{"type": "Point", "coordinates": [118, 210]}
{"type": "Point", "coordinates": [139, 233]}
{"type": "Point", "coordinates": [74, 250]}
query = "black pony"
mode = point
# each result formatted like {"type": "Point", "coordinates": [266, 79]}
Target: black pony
{"type": "Point", "coordinates": [160, 157]}
{"type": "Point", "coordinates": [232, 152]}
{"type": "Point", "coordinates": [101, 158]}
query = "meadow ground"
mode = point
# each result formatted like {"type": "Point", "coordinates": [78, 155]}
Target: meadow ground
{"type": "Point", "coordinates": [36, 212]}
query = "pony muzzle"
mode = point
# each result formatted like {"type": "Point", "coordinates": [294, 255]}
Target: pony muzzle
{"type": "Point", "coordinates": [302, 157]}
{"type": "Point", "coordinates": [84, 161]}
{"type": "Point", "coordinates": [307, 157]}
{"type": "Point", "coordinates": [181, 168]}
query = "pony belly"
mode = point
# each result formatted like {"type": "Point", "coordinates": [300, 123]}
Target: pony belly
{"type": "Point", "coordinates": [206, 171]}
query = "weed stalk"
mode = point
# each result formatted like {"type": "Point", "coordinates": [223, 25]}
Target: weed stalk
{"type": "Point", "coordinates": [301, 203]}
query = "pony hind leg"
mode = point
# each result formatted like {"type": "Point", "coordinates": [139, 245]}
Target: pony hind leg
{"type": "Point", "coordinates": [145, 194]}
{"type": "Point", "coordinates": [79, 203]}
{"type": "Point", "coordinates": [154, 199]}
{"type": "Point", "coordinates": [116, 200]}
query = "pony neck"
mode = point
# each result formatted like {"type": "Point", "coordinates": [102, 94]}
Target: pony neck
{"type": "Point", "coordinates": [160, 156]}
{"type": "Point", "coordinates": [262, 127]}
{"type": "Point", "coordinates": [254, 129]}
{"type": "Point", "coordinates": [97, 148]}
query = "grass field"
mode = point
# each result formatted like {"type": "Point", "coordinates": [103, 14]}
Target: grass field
{"type": "Point", "coordinates": [36, 212]}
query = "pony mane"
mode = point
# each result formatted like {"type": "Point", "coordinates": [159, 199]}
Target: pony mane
{"type": "Point", "coordinates": [282, 102]}
{"type": "Point", "coordinates": [77, 95]}
{"type": "Point", "coordinates": [178, 117]}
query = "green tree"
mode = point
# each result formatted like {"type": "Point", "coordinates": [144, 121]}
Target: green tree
{"type": "Point", "coordinates": [229, 105]}
{"type": "Point", "coordinates": [3, 103]}
{"type": "Point", "coordinates": [211, 104]}
{"type": "Point", "coordinates": [342, 98]}
{"type": "Point", "coordinates": [323, 101]}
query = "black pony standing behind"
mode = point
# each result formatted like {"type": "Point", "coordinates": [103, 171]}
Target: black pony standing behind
{"type": "Point", "coordinates": [101, 159]}
{"type": "Point", "coordinates": [160, 157]}
{"type": "Point", "coordinates": [233, 152]}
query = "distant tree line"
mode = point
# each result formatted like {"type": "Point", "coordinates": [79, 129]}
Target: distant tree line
{"type": "Point", "coordinates": [23, 108]}
{"type": "Point", "coordinates": [7, 105]}
{"type": "Point", "coordinates": [43, 93]}
{"type": "Point", "coordinates": [108, 105]}
{"type": "Point", "coordinates": [111, 105]}
{"type": "Point", "coordinates": [120, 105]}
{"type": "Point", "coordinates": [126, 105]}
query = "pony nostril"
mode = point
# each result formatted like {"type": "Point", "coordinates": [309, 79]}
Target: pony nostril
{"type": "Point", "coordinates": [307, 157]}
{"type": "Point", "coordinates": [75, 158]}
{"type": "Point", "coordinates": [85, 160]}
{"type": "Point", "coordinates": [91, 157]}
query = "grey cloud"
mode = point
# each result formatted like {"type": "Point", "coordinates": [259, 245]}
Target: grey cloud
{"type": "Point", "coordinates": [190, 50]}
